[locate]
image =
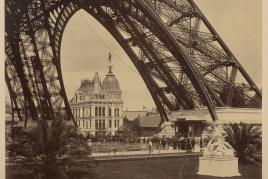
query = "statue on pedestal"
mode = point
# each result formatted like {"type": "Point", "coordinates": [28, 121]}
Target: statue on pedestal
{"type": "Point", "coordinates": [217, 145]}
{"type": "Point", "coordinates": [218, 158]}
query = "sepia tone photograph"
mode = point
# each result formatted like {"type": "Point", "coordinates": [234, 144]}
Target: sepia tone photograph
{"type": "Point", "coordinates": [133, 89]}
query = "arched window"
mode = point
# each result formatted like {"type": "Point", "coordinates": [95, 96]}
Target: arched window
{"type": "Point", "coordinates": [96, 111]}
{"type": "Point", "coordinates": [103, 111]}
{"type": "Point", "coordinates": [118, 111]}
{"type": "Point", "coordinates": [115, 112]}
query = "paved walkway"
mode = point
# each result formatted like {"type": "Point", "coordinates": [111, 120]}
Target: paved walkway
{"type": "Point", "coordinates": [143, 154]}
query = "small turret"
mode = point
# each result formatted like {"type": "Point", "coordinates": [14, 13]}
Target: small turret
{"type": "Point", "coordinates": [97, 83]}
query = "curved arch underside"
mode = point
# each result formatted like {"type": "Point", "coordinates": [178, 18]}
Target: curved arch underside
{"type": "Point", "coordinates": [181, 58]}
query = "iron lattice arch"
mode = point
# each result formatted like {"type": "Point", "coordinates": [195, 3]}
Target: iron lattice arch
{"type": "Point", "coordinates": [181, 58]}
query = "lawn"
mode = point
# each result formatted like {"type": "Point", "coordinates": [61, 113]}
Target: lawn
{"type": "Point", "coordinates": [166, 168]}
{"type": "Point", "coordinates": [151, 168]}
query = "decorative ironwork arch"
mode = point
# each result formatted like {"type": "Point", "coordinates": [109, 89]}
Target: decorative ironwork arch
{"type": "Point", "coordinates": [182, 60]}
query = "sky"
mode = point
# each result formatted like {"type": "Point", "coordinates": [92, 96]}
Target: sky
{"type": "Point", "coordinates": [86, 44]}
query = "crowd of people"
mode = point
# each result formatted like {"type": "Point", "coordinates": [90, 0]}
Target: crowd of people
{"type": "Point", "coordinates": [177, 143]}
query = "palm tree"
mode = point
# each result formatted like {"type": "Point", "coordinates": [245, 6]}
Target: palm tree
{"type": "Point", "coordinates": [59, 151]}
{"type": "Point", "coordinates": [244, 138]}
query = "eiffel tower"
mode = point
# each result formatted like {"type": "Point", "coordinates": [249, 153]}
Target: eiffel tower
{"type": "Point", "coordinates": [183, 61]}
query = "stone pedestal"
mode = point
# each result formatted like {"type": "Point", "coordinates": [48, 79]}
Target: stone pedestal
{"type": "Point", "coordinates": [220, 166]}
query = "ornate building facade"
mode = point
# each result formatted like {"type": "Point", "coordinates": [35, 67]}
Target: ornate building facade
{"type": "Point", "coordinates": [97, 106]}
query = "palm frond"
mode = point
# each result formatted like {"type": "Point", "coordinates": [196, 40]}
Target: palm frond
{"type": "Point", "coordinates": [243, 138]}
{"type": "Point", "coordinates": [57, 148]}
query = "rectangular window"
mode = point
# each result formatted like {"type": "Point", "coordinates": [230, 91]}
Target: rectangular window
{"type": "Point", "coordinates": [110, 112]}
{"type": "Point", "coordinates": [96, 124]}
{"type": "Point", "coordinates": [96, 111]}
{"type": "Point", "coordinates": [103, 123]}
{"type": "Point", "coordinates": [83, 112]}
{"type": "Point", "coordinates": [115, 123]}
{"type": "Point", "coordinates": [110, 123]}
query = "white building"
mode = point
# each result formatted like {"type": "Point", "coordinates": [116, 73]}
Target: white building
{"type": "Point", "coordinates": [97, 105]}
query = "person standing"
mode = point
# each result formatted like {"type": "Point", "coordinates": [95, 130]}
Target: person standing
{"type": "Point", "coordinates": [174, 143]}
{"type": "Point", "coordinates": [188, 144]}
{"type": "Point", "coordinates": [182, 144]}
{"type": "Point", "coordinates": [150, 145]}
{"type": "Point", "coordinates": [160, 144]}
{"type": "Point", "coordinates": [178, 143]}
{"type": "Point", "coordinates": [164, 142]}
{"type": "Point", "coordinates": [201, 143]}
{"type": "Point", "coordinates": [193, 143]}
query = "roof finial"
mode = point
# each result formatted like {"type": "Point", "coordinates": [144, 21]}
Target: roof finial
{"type": "Point", "coordinates": [110, 62]}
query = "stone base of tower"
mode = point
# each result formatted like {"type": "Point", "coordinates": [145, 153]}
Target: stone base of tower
{"type": "Point", "coordinates": [220, 166]}
{"type": "Point", "coordinates": [167, 129]}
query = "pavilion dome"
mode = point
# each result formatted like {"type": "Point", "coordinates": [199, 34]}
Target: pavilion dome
{"type": "Point", "coordinates": [110, 82]}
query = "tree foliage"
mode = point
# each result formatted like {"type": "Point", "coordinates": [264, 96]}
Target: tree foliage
{"type": "Point", "coordinates": [129, 129]}
{"type": "Point", "coordinates": [244, 138]}
{"type": "Point", "coordinates": [59, 152]}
